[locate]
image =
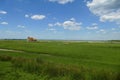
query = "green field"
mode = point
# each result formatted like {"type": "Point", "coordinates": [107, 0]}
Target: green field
{"type": "Point", "coordinates": [59, 60]}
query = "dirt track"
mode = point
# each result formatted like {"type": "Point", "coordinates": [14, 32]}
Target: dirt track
{"type": "Point", "coordinates": [10, 50]}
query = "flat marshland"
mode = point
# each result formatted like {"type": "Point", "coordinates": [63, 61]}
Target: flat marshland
{"type": "Point", "coordinates": [59, 60]}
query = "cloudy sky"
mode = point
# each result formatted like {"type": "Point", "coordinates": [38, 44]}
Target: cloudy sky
{"type": "Point", "coordinates": [60, 19]}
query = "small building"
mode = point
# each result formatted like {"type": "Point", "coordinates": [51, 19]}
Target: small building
{"type": "Point", "coordinates": [31, 39]}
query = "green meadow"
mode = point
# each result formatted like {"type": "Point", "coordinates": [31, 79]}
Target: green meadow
{"type": "Point", "coordinates": [59, 60]}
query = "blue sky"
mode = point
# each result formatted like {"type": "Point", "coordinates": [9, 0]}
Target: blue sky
{"type": "Point", "coordinates": [60, 19]}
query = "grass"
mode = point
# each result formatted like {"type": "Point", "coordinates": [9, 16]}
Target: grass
{"type": "Point", "coordinates": [61, 60]}
{"type": "Point", "coordinates": [54, 71]}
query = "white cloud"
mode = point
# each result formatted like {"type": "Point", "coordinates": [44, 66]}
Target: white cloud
{"type": "Point", "coordinates": [102, 31]}
{"type": "Point", "coordinates": [68, 25]}
{"type": "Point", "coordinates": [50, 25]}
{"type": "Point", "coordinates": [72, 19]}
{"type": "Point", "coordinates": [4, 23]}
{"type": "Point", "coordinates": [107, 10]}
{"type": "Point", "coordinates": [38, 17]}
{"type": "Point", "coordinates": [52, 29]}
{"type": "Point", "coordinates": [55, 24]}
{"type": "Point", "coordinates": [93, 27]}
{"type": "Point", "coordinates": [26, 15]}
{"type": "Point", "coordinates": [114, 16]}
{"type": "Point", "coordinates": [3, 12]}
{"type": "Point", "coordinates": [20, 26]}
{"type": "Point", "coordinates": [71, 25]}
{"type": "Point", "coordinates": [62, 1]}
